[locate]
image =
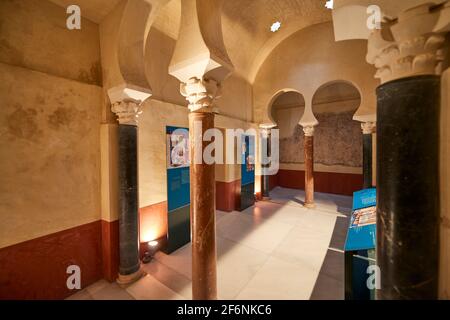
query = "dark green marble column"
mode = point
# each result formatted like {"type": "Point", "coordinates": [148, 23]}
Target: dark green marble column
{"type": "Point", "coordinates": [127, 112]}
{"type": "Point", "coordinates": [367, 128]}
{"type": "Point", "coordinates": [408, 188]}
{"type": "Point", "coordinates": [128, 199]}
{"type": "Point", "coordinates": [265, 183]}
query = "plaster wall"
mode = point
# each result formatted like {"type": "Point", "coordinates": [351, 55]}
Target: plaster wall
{"type": "Point", "coordinates": [303, 63]}
{"type": "Point", "coordinates": [152, 148]}
{"type": "Point", "coordinates": [49, 162]}
{"type": "Point", "coordinates": [34, 36]}
{"type": "Point", "coordinates": [51, 100]}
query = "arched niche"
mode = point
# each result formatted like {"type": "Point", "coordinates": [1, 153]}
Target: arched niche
{"type": "Point", "coordinates": [285, 111]}
{"type": "Point", "coordinates": [338, 136]}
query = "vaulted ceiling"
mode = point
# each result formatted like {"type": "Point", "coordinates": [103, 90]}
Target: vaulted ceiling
{"type": "Point", "coordinates": [246, 24]}
{"type": "Point", "coordinates": [246, 28]}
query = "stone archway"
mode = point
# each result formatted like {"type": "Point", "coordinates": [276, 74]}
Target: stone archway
{"type": "Point", "coordinates": [334, 105]}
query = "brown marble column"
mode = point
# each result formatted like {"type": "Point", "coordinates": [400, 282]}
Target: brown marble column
{"type": "Point", "coordinates": [201, 94]}
{"type": "Point", "coordinates": [309, 166]}
{"type": "Point", "coordinates": [204, 277]}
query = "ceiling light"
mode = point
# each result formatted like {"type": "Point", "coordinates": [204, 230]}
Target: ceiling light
{"type": "Point", "coordinates": [275, 26]}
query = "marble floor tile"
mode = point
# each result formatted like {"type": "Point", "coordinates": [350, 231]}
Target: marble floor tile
{"type": "Point", "coordinates": [340, 233]}
{"type": "Point", "coordinates": [255, 232]}
{"type": "Point", "coordinates": [169, 277]}
{"type": "Point", "coordinates": [81, 295]}
{"type": "Point", "coordinates": [180, 260]}
{"type": "Point", "coordinates": [333, 265]}
{"type": "Point", "coordinates": [148, 288]}
{"type": "Point", "coordinates": [220, 214]}
{"type": "Point", "coordinates": [280, 280]}
{"type": "Point", "coordinates": [276, 212]}
{"type": "Point", "coordinates": [103, 290]}
{"type": "Point", "coordinates": [328, 288]}
{"type": "Point", "coordinates": [274, 250]}
{"type": "Point", "coordinates": [236, 265]}
{"type": "Point", "coordinates": [319, 222]}
{"type": "Point", "coordinates": [304, 246]}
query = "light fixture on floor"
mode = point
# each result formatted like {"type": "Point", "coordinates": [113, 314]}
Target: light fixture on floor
{"type": "Point", "coordinates": [152, 247]}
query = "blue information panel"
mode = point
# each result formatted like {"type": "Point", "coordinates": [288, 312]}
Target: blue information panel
{"type": "Point", "coordinates": [362, 231]}
{"type": "Point", "coordinates": [178, 188]}
{"type": "Point", "coordinates": [360, 245]}
{"type": "Point", "coordinates": [247, 172]}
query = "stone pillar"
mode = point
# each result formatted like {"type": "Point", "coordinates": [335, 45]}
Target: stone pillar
{"type": "Point", "coordinates": [309, 166]}
{"type": "Point", "coordinates": [129, 264]}
{"type": "Point", "coordinates": [368, 129]}
{"type": "Point", "coordinates": [201, 94]}
{"type": "Point", "coordinates": [265, 182]}
{"type": "Point", "coordinates": [408, 55]}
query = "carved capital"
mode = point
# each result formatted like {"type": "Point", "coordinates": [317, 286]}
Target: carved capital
{"type": "Point", "coordinates": [201, 94]}
{"type": "Point", "coordinates": [127, 112]}
{"type": "Point", "coordinates": [411, 46]}
{"type": "Point", "coordinates": [368, 127]}
{"type": "Point", "coordinates": [309, 131]}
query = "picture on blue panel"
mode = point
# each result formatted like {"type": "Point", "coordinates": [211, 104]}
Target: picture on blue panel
{"type": "Point", "coordinates": [178, 180]}
{"type": "Point", "coordinates": [177, 148]}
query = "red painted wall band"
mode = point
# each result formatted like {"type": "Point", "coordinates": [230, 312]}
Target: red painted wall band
{"type": "Point", "coordinates": [36, 269]}
{"type": "Point", "coordinates": [326, 182]}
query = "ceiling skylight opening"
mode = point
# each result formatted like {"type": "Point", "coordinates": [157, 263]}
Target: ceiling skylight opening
{"type": "Point", "coordinates": [275, 26]}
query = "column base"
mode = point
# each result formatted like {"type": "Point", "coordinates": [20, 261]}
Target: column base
{"type": "Point", "coordinates": [309, 205]}
{"type": "Point", "coordinates": [124, 280]}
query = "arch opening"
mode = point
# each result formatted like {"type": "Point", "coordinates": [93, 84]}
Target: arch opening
{"type": "Point", "coordinates": [286, 110]}
{"type": "Point", "coordinates": [338, 136]}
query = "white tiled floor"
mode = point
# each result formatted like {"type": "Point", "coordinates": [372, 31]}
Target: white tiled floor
{"type": "Point", "coordinates": [274, 250]}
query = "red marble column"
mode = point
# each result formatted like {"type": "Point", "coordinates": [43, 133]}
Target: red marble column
{"type": "Point", "coordinates": [203, 224]}
{"type": "Point", "coordinates": [309, 166]}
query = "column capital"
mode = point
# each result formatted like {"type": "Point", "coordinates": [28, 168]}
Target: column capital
{"type": "Point", "coordinates": [309, 131]}
{"type": "Point", "coordinates": [410, 46]}
{"type": "Point", "coordinates": [127, 112]}
{"type": "Point", "coordinates": [126, 101]}
{"type": "Point", "coordinates": [368, 127]}
{"type": "Point", "coordinates": [201, 94]}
